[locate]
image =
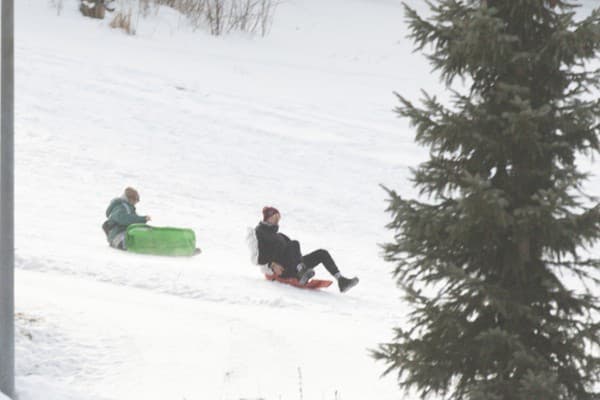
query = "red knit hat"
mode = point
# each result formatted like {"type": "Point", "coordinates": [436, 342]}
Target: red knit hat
{"type": "Point", "coordinates": [268, 212]}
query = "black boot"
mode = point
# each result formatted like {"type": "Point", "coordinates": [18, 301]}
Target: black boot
{"type": "Point", "coordinates": [304, 274]}
{"type": "Point", "coordinates": [346, 284]}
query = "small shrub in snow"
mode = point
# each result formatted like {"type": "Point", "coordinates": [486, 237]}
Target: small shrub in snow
{"type": "Point", "coordinates": [225, 16]}
{"type": "Point", "coordinates": [194, 10]}
{"type": "Point", "coordinates": [92, 8]}
{"type": "Point", "coordinates": [122, 20]}
{"type": "Point", "coordinates": [218, 16]}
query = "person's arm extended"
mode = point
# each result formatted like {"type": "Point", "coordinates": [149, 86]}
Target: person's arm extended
{"type": "Point", "coordinates": [122, 217]}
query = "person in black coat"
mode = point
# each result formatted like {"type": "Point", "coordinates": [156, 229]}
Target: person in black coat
{"type": "Point", "coordinates": [284, 256]}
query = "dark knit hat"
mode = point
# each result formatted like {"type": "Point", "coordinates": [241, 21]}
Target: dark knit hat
{"type": "Point", "coordinates": [132, 195]}
{"type": "Point", "coordinates": [268, 212]}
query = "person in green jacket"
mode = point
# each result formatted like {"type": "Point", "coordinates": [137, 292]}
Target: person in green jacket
{"type": "Point", "coordinates": [121, 213]}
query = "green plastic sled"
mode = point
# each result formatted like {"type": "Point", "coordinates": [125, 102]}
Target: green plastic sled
{"type": "Point", "coordinates": [164, 241]}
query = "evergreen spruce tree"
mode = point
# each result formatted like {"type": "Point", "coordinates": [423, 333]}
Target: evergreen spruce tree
{"type": "Point", "coordinates": [486, 255]}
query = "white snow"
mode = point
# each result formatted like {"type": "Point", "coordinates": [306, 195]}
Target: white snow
{"type": "Point", "coordinates": [209, 130]}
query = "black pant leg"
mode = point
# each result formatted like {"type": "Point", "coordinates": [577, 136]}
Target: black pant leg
{"type": "Point", "coordinates": [321, 256]}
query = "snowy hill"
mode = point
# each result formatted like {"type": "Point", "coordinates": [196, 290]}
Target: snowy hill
{"type": "Point", "coordinates": [209, 130]}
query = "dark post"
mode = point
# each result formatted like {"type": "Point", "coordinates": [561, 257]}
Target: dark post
{"type": "Point", "coordinates": [7, 239]}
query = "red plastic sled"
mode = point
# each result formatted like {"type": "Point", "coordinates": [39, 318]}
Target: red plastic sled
{"type": "Point", "coordinates": [312, 284]}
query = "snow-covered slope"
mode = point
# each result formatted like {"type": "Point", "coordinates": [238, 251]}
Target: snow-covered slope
{"type": "Point", "coordinates": [209, 130]}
